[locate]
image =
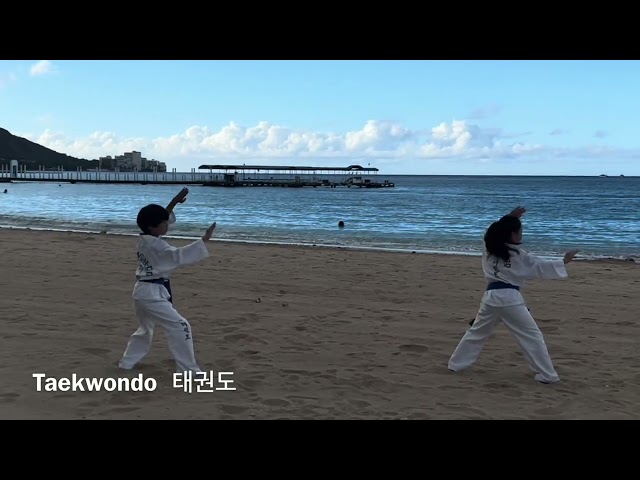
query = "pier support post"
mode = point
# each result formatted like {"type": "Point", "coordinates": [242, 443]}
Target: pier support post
{"type": "Point", "coordinates": [14, 169]}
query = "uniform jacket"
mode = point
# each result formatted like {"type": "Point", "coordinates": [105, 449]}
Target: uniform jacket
{"type": "Point", "coordinates": [157, 259]}
{"type": "Point", "coordinates": [520, 268]}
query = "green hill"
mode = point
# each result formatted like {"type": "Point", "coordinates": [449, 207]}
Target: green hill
{"type": "Point", "coordinates": [33, 155]}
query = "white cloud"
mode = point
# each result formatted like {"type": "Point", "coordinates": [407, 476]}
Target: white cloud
{"type": "Point", "coordinates": [265, 143]}
{"type": "Point", "coordinates": [41, 68]}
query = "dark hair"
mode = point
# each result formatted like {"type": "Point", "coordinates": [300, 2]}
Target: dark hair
{"type": "Point", "coordinates": [151, 216]}
{"type": "Point", "coordinates": [499, 234]}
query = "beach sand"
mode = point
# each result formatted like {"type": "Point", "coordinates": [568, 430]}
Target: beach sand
{"type": "Point", "coordinates": [309, 333]}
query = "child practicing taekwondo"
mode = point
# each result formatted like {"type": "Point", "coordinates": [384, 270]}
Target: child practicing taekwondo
{"type": "Point", "coordinates": [152, 296]}
{"type": "Point", "coordinates": [506, 267]}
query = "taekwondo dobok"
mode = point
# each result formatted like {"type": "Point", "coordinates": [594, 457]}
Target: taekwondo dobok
{"type": "Point", "coordinates": [153, 300]}
{"type": "Point", "coordinates": [503, 302]}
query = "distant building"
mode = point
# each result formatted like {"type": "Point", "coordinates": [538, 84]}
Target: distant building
{"type": "Point", "coordinates": [131, 162]}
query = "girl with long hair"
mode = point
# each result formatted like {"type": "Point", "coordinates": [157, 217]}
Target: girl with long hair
{"type": "Point", "coordinates": [506, 267]}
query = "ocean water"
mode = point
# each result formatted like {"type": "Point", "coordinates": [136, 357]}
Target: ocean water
{"type": "Point", "coordinates": [445, 214]}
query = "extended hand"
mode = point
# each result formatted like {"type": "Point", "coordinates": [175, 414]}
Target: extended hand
{"type": "Point", "coordinates": [182, 196]}
{"type": "Point", "coordinates": [209, 232]}
{"type": "Point", "coordinates": [568, 257]}
{"type": "Point", "coordinates": [518, 212]}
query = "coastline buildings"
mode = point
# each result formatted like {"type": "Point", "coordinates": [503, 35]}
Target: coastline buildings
{"type": "Point", "coordinates": [130, 162]}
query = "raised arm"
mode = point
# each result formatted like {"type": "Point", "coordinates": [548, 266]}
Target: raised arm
{"type": "Point", "coordinates": [517, 212]}
{"type": "Point", "coordinates": [181, 197]}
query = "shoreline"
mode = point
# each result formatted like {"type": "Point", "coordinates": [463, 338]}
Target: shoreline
{"type": "Point", "coordinates": [624, 259]}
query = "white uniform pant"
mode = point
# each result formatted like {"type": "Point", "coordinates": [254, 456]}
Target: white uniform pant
{"type": "Point", "coordinates": [521, 325]}
{"type": "Point", "coordinates": [176, 328]}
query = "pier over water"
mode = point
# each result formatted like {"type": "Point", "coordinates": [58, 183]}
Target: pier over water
{"type": "Point", "coordinates": [216, 176]}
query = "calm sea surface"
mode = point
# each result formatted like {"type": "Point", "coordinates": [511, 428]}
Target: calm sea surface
{"type": "Point", "coordinates": [600, 216]}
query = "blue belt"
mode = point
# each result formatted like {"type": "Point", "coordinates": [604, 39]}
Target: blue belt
{"type": "Point", "coordinates": [500, 286]}
{"type": "Point", "coordinates": [161, 281]}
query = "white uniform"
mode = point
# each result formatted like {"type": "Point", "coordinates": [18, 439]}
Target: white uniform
{"type": "Point", "coordinates": [508, 305]}
{"type": "Point", "coordinates": [153, 303]}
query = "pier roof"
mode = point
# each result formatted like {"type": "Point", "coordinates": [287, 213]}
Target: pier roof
{"type": "Point", "coordinates": [350, 168]}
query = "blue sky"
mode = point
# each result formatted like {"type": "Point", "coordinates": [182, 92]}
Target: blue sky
{"type": "Point", "coordinates": [404, 117]}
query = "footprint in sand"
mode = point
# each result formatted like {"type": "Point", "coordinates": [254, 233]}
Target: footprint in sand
{"type": "Point", "coordinates": [237, 336]}
{"type": "Point", "coordinates": [414, 348]}
{"type": "Point", "coordinates": [508, 389]}
{"type": "Point", "coordinates": [553, 411]}
{"type": "Point", "coordinates": [233, 409]}
{"type": "Point", "coordinates": [64, 395]}
{"type": "Point", "coordinates": [253, 381]}
{"type": "Point", "coordinates": [469, 412]}
{"type": "Point", "coordinates": [294, 371]}
{"type": "Point", "coordinates": [122, 409]}
{"type": "Point", "coordinates": [451, 387]}
{"type": "Point", "coordinates": [243, 337]}
{"type": "Point", "coordinates": [100, 352]}
{"type": "Point", "coordinates": [625, 323]}
{"type": "Point", "coordinates": [300, 397]}
{"type": "Point", "coordinates": [276, 402]}
{"type": "Point", "coordinates": [360, 403]}
{"type": "Point", "coordinates": [250, 352]}
{"type": "Point", "coordinates": [9, 397]}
